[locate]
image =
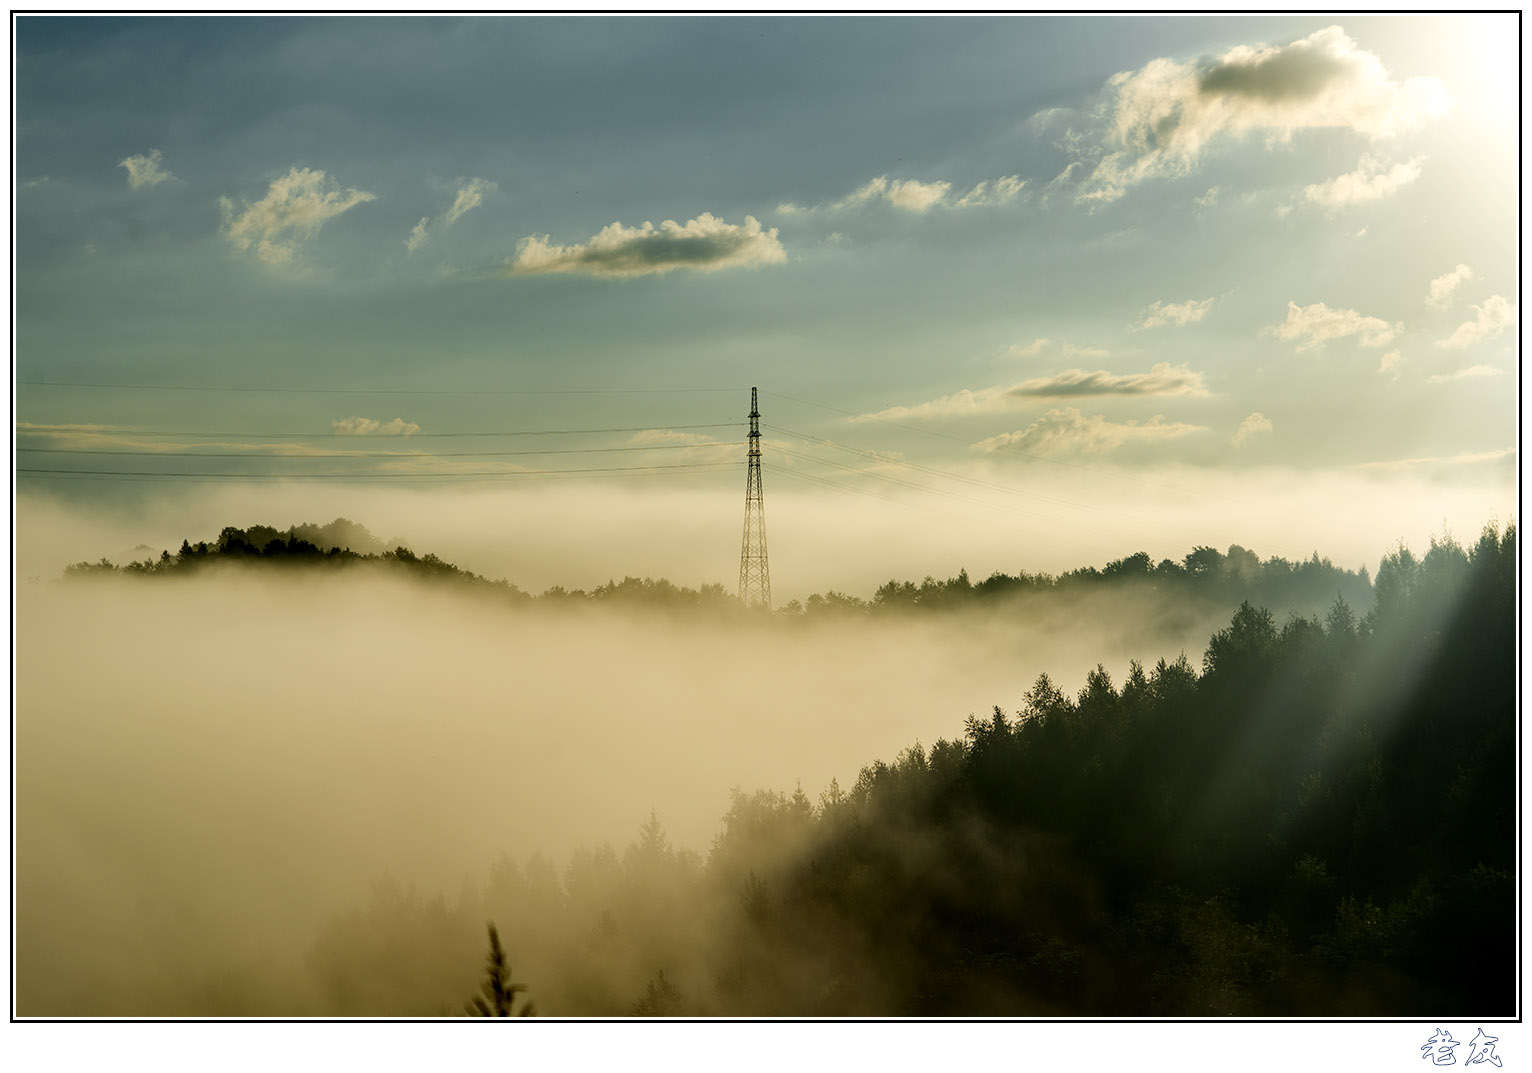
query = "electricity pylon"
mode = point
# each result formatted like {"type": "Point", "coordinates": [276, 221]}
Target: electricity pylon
{"type": "Point", "coordinates": [754, 571]}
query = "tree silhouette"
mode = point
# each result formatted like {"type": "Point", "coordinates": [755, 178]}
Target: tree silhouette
{"type": "Point", "coordinates": [498, 990]}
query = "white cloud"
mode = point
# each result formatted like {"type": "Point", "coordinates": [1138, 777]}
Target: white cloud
{"type": "Point", "coordinates": [470, 195]}
{"type": "Point", "coordinates": [1069, 432]}
{"type": "Point", "coordinates": [1317, 324]}
{"type": "Point", "coordinates": [1372, 180]}
{"type": "Point", "coordinates": [1390, 363]}
{"type": "Point", "coordinates": [910, 195]}
{"type": "Point", "coordinates": [1207, 200]}
{"type": "Point", "coordinates": [1031, 350]}
{"type": "Point", "coordinates": [992, 192]}
{"type": "Point", "coordinates": [294, 209]}
{"type": "Point", "coordinates": [1443, 287]}
{"type": "Point", "coordinates": [703, 244]}
{"type": "Point", "coordinates": [1462, 458]}
{"type": "Point", "coordinates": [418, 235]}
{"type": "Point", "coordinates": [145, 170]}
{"type": "Point", "coordinates": [1163, 117]}
{"type": "Point", "coordinates": [1493, 317]}
{"type": "Point", "coordinates": [1162, 379]}
{"type": "Point", "coordinates": [366, 426]}
{"type": "Point", "coordinates": [1257, 424]}
{"type": "Point", "coordinates": [1471, 373]}
{"type": "Point", "coordinates": [1180, 314]}
{"type": "Point", "coordinates": [1070, 350]}
{"type": "Point", "coordinates": [959, 404]}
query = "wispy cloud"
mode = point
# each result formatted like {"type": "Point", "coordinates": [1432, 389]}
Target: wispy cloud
{"type": "Point", "coordinates": [1472, 372]}
{"type": "Point", "coordinates": [1162, 379]}
{"type": "Point", "coordinates": [1161, 118]}
{"type": "Point", "coordinates": [1373, 179]}
{"type": "Point", "coordinates": [959, 404]}
{"type": "Point", "coordinates": [1178, 313]}
{"type": "Point", "coordinates": [1389, 363]}
{"type": "Point", "coordinates": [147, 170]}
{"type": "Point", "coordinates": [1491, 318]}
{"type": "Point", "coordinates": [1063, 432]}
{"type": "Point", "coordinates": [469, 195]}
{"type": "Point", "coordinates": [1313, 326]}
{"type": "Point", "coordinates": [912, 195]}
{"type": "Point", "coordinates": [294, 209]}
{"type": "Point", "coordinates": [1029, 350]}
{"type": "Point", "coordinates": [367, 426]}
{"type": "Point", "coordinates": [704, 244]}
{"type": "Point", "coordinates": [1257, 424]}
{"type": "Point", "coordinates": [1444, 287]}
{"type": "Point", "coordinates": [1462, 458]}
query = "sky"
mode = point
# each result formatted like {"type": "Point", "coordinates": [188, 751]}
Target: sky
{"type": "Point", "coordinates": [1018, 292]}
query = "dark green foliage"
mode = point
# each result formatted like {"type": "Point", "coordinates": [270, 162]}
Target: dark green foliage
{"type": "Point", "coordinates": [1322, 823]}
{"type": "Point", "coordinates": [499, 999]}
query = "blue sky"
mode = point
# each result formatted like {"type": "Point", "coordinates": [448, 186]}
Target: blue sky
{"type": "Point", "coordinates": [1251, 278]}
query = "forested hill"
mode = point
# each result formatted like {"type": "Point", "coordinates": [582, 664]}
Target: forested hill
{"type": "Point", "coordinates": [1204, 575]}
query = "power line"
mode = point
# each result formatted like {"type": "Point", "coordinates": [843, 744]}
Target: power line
{"type": "Point", "coordinates": [411, 455]}
{"type": "Point", "coordinates": [466, 474]}
{"type": "Point", "coordinates": [100, 431]}
{"type": "Point", "coordinates": [232, 388]}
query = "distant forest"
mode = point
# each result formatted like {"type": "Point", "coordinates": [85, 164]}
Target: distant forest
{"type": "Point", "coordinates": [1319, 820]}
{"type": "Point", "coordinates": [1203, 576]}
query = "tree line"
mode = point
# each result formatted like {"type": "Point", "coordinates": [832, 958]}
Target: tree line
{"type": "Point", "coordinates": [1317, 820]}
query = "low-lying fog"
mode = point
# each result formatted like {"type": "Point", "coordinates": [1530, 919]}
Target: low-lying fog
{"type": "Point", "coordinates": [207, 768]}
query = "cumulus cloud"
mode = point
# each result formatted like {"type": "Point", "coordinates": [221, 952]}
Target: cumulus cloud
{"type": "Point", "coordinates": [366, 426]}
{"type": "Point", "coordinates": [704, 244]}
{"type": "Point", "coordinates": [1162, 379]}
{"type": "Point", "coordinates": [1315, 325]}
{"type": "Point", "coordinates": [1180, 314]}
{"type": "Point", "coordinates": [1372, 180]}
{"type": "Point", "coordinates": [294, 209]}
{"type": "Point", "coordinates": [1471, 373]}
{"type": "Point", "coordinates": [1161, 118]}
{"type": "Point", "coordinates": [1492, 318]}
{"type": "Point", "coordinates": [1443, 287]}
{"type": "Point", "coordinates": [1390, 363]}
{"type": "Point", "coordinates": [1257, 424]}
{"type": "Point", "coordinates": [1069, 432]}
{"type": "Point", "coordinates": [145, 170]}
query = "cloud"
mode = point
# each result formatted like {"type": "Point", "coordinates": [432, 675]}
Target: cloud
{"type": "Point", "coordinates": [1031, 350]}
{"type": "Point", "coordinates": [1390, 363]}
{"type": "Point", "coordinates": [418, 235]}
{"type": "Point", "coordinates": [1470, 373]}
{"type": "Point", "coordinates": [1373, 180]}
{"type": "Point", "coordinates": [1493, 317]}
{"type": "Point", "coordinates": [1315, 325]}
{"type": "Point", "coordinates": [1462, 458]}
{"type": "Point", "coordinates": [704, 244]}
{"type": "Point", "coordinates": [1162, 379]}
{"type": "Point", "coordinates": [294, 209]}
{"type": "Point", "coordinates": [1069, 432]}
{"type": "Point", "coordinates": [1257, 424]}
{"type": "Point", "coordinates": [366, 426]}
{"type": "Point", "coordinates": [469, 195]}
{"type": "Point", "coordinates": [1162, 313]}
{"type": "Point", "coordinates": [1443, 287]}
{"type": "Point", "coordinates": [1161, 118]}
{"type": "Point", "coordinates": [959, 404]}
{"type": "Point", "coordinates": [145, 170]}
{"type": "Point", "coordinates": [915, 196]}
{"type": "Point", "coordinates": [992, 192]}
{"type": "Point", "coordinates": [1070, 350]}
{"type": "Point", "coordinates": [1207, 200]}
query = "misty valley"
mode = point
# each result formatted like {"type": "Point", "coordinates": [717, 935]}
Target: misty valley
{"type": "Point", "coordinates": [299, 773]}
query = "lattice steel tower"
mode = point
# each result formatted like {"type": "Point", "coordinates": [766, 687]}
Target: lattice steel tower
{"type": "Point", "coordinates": [754, 571]}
